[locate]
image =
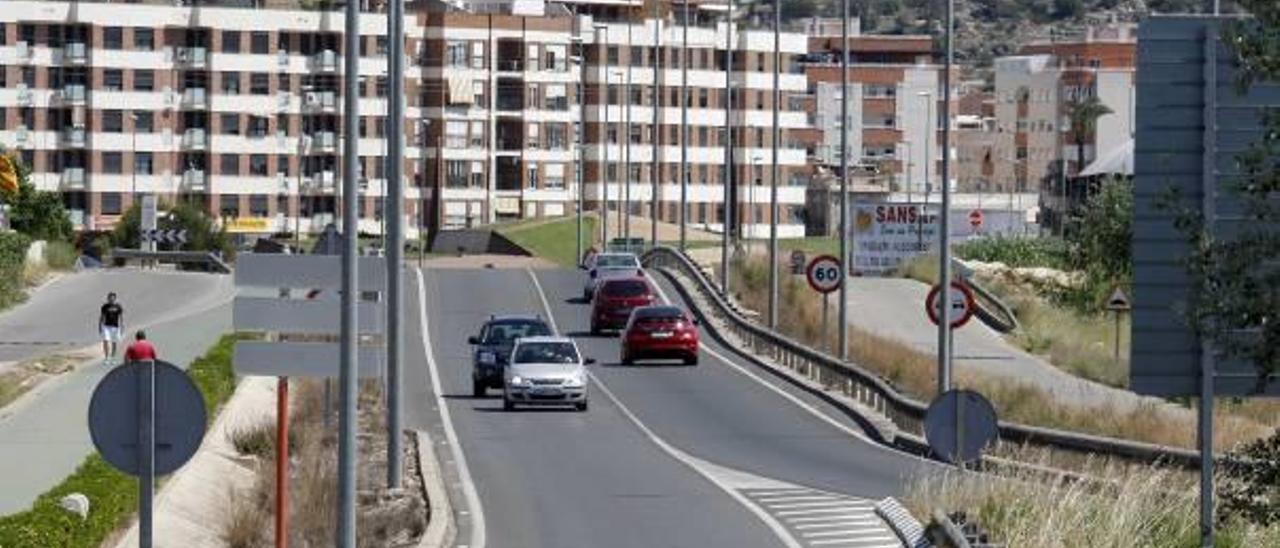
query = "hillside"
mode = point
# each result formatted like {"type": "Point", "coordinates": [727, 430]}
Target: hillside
{"type": "Point", "coordinates": [986, 29]}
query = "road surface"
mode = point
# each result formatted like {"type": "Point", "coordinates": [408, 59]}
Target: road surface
{"type": "Point", "coordinates": [713, 455]}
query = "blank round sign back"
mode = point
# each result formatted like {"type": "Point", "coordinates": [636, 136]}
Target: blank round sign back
{"type": "Point", "coordinates": [959, 425]}
{"type": "Point", "coordinates": [179, 417]}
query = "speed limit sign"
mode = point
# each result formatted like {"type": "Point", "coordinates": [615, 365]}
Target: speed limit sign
{"type": "Point", "coordinates": [825, 274]}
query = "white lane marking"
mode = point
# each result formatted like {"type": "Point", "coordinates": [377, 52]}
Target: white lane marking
{"type": "Point", "coordinates": [684, 458]}
{"type": "Point", "coordinates": [827, 519]}
{"type": "Point", "coordinates": [814, 504]}
{"type": "Point", "coordinates": [794, 498]}
{"type": "Point", "coordinates": [841, 523]}
{"type": "Point", "coordinates": [477, 539]}
{"type": "Point", "coordinates": [859, 531]}
{"type": "Point", "coordinates": [851, 541]}
{"type": "Point", "coordinates": [815, 511]}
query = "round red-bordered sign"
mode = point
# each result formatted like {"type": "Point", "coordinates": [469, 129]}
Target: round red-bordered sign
{"type": "Point", "coordinates": [975, 218]}
{"type": "Point", "coordinates": [824, 274]}
{"type": "Point", "coordinates": [962, 301]}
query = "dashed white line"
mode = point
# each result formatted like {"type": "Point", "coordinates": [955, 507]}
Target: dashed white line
{"type": "Point", "coordinates": [841, 523]}
{"type": "Point", "coordinates": [815, 504]}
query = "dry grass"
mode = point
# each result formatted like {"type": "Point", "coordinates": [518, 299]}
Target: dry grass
{"type": "Point", "coordinates": [1130, 506]}
{"type": "Point", "coordinates": [914, 373]}
{"type": "Point", "coordinates": [22, 377]}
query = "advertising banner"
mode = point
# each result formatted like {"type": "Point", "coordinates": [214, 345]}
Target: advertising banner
{"type": "Point", "coordinates": [889, 233]}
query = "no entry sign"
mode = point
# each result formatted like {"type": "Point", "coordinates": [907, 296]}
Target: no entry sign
{"type": "Point", "coordinates": [961, 301]}
{"type": "Point", "coordinates": [975, 218]}
{"type": "Point", "coordinates": [825, 274]}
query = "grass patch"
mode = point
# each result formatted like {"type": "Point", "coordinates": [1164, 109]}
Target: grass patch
{"type": "Point", "coordinates": [913, 372]}
{"type": "Point", "coordinates": [1015, 251]}
{"type": "Point", "coordinates": [60, 256]}
{"type": "Point", "coordinates": [554, 240]}
{"type": "Point", "coordinates": [1136, 506]}
{"type": "Point", "coordinates": [818, 245]}
{"type": "Point", "coordinates": [113, 496]}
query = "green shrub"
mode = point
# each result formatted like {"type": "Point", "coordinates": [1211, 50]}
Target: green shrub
{"type": "Point", "coordinates": [1016, 252]}
{"type": "Point", "coordinates": [113, 496]}
{"type": "Point", "coordinates": [13, 256]}
{"type": "Point", "coordinates": [60, 255]}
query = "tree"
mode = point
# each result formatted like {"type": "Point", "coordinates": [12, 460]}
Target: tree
{"type": "Point", "coordinates": [1098, 243]}
{"type": "Point", "coordinates": [1084, 116]}
{"type": "Point", "coordinates": [37, 213]}
{"type": "Point", "coordinates": [202, 233]}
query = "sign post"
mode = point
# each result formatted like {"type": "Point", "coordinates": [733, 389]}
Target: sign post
{"type": "Point", "coordinates": [825, 275]}
{"type": "Point", "coordinates": [1118, 304]}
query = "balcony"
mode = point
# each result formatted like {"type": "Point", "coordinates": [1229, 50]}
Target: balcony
{"type": "Point", "coordinates": [72, 178]}
{"type": "Point", "coordinates": [325, 180]}
{"type": "Point", "coordinates": [192, 57]}
{"type": "Point", "coordinates": [22, 51]}
{"type": "Point", "coordinates": [73, 94]}
{"type": "Point", "coordinates": [73, 137]}
{"type": "Point", "coordinates": [324, 141]}
{"type": "Point", "coordinates": [510, 65]}
{"type": "Point", "coordinates": [195, 99]}
{"type": "Point", "coordinates": [193, 180]}
{"type": "Point", "coordinates": [75, 53]}
{"type": "Point", "coordinates": [320, 101]}
{"type": "Point", "coordinates": [194, 139]}
{"type": "Point", "coordinates": [326, 61]}
{"type": "Point", "coordinates": [25, 96]}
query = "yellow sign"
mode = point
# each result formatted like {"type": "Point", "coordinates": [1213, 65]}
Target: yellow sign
{"type": "Point", "coordinates": [249, 224]}
{"type": "Point", "coordinates": [8, 175]}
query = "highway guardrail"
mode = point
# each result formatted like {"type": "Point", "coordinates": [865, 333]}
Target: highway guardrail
{"type": "Point", "coordinates": [866, 387]}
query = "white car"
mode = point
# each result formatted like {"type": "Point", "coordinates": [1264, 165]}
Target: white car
{"type": "Point", "coordinates": [605, 265]}
{"type": "Point", "coordinates": [545, 371]}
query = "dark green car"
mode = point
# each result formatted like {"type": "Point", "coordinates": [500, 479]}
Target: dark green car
{"type": "Point", "coordinates": [493, 347]}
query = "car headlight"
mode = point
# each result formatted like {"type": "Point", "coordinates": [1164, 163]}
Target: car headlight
{"type": "Point", "coordinates": [488, 358]}
{"type": "Point", "coordinates": [576, 381]}
{"type": "Point", "coordinates": [517, 381]}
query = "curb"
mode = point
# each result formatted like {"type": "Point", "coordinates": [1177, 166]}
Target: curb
{"type": "Point", "coordinates": [441, 528]}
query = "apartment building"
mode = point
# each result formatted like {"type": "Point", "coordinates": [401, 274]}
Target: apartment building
{"type": "Point", "coordinates": [975, 136]}
{"type": "Point", "coordinates": [1034, 94]}
{"type": "Point", "coordinates": [894, 105]}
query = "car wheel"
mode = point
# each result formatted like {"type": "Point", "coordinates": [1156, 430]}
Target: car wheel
{"type": "Point", "coordinates": [478, 388]}
{"type": "Point", "coordinates": [581, 406]}
{"type": "Point", "coordinates": [691, 359]}
{"type": "Point", "coordinates": [595, 330]}
{"type": "Point", "coordinates": [507, 404]}
{"type": "Point", "coordinates": [627, 359]}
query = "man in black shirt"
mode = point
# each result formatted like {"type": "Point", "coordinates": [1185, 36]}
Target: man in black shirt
{"type": "Point", "coordinates": [110, 324]}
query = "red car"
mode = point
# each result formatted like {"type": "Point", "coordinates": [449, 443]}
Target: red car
{"type": "Point", "coordinates": [614, 300]}
{"type": "Point", "coordinates": [660, 332]}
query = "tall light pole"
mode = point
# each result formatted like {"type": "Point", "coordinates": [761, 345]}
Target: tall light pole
{"type": "Point", "coordinates": [843, 337]}
{"type": "Point", "coordinates": [395, 237]}
{"type": "Point", "coordinates": [773, 177]}
{"type": "Point", "coordinates": [347, 379]}
{"type": "Point", "coordinates": [929, 121]}
{"type": "Point", "coordinates": [626, 151]}
{"type": "Point", "coordinates": [656, 138]}
{"type": "Point", "coordinates": [582, 126]}
{"type": "Point", "coordinates": [684, 126]}
{"type": "Point", "coordinates": [604, 137]}
{"type": "Point", "coordinates": [944, 232]}
{"type": "Point", "coordinates": [726, 219]}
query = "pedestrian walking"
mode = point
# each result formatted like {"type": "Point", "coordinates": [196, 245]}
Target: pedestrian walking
{"type": "Point", "coordinates": [141, 349]}
{"type": "Point", "coordinates": [110, 322]}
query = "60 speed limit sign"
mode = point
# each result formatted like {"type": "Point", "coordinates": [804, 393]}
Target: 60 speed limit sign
{"type": "Point", "coordinates": [825, 274]}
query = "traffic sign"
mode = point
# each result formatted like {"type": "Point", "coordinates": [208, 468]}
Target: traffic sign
{"type": "Point", "coordinates": [178, 409]}
{"type": "Point", "coordinates": [172, 236]}
{"type": "Point", "coordinates": [962, 302]}
{"type": "Point", "coordinates": [825, 274]}
{"type": "Point", "coordinates": [797, 262]}
{"type": "Point", "coordinates": [1118, 302]}
{"type": "Point", "coordinates": [975, 218]}
{"type": "Point", "coordinates": [959, 425]}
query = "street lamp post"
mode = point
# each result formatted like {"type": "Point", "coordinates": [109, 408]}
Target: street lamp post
{"type": "Point", "coordinates": [581, 141]}
{"type": "Point", "coordinates": [726, 218]}
{"type": "Point", "coordinates": [603, 30]}
{"type": "Point", "coordinates": [843, 335]}
{"type": "Point", "coordinates": [656, 137]}
{"type": "Point", "coordinates": [928, 159]}
{"type": "Point", "coordinates": [626, 103]}
{"type": "Point", "coordinates": [684, 125]}
{"type": "Point", "coordinates": [773, 177]}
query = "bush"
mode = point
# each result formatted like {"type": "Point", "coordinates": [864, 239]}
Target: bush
{"type": "Point", "coordinates": [13, 256]}
{"type": "Point", "coordinates": [113, 496]}
{"type": "Point", "coordinates": [1016, 252]}
{"type": "Point", "coordinates": [202, 233]}
{"type": "Point", "coordinates": [60, 255]}
{"type": "Point", "coordinates": [37, 213]}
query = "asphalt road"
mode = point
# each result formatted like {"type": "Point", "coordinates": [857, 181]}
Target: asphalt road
{"type": "Point", "coordinates": [720, 454]}
{"type": "Point", "coordinates": [64, 314]}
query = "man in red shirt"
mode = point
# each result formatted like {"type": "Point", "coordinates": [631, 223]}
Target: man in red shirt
{"type": "Point", "coordinates": [141, 349]}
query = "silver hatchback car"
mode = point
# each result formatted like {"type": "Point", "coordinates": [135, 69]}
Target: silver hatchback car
{"type": "Point", "coordinates": [545, 371]}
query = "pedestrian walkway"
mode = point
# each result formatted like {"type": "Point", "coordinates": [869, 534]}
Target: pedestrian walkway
{"type": "Point", "coordinates": [45, 435]}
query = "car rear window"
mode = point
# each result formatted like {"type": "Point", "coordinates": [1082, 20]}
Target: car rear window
{"type": "Point", "coordinates": [505, 332]}
{"type": "Point", "coordinates": [660, 313]}
{"type": "Point", "coordinates": [626, 288]}
{"type": "Point", "coordinates": [616, 261]}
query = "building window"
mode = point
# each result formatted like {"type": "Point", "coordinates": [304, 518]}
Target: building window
{"type": "Point", "coordinates": [554, 175]}
{"type": "Point", "coordinates": [258, 205]}
{"type": "Point", "coordinates": [258, 165]}
{"type": "Point", "coordinates": [112, 38]}
{"type": "Point", "coordinates": [144, 39]}
{"type": "Point", "coordinates": [259, 83]}
{"type": "Point", "coordinates": [112, 203]}
{"type": "Point", "coordinates": [282, 41]}
{"type": "Point", "coordinates": [477, 55]}
{"type": "Point", "coordinates": [532, 179]}
{"type": "Point", "coordinates": [144, 80]}
{"type": "Point", "coordinates": [613, 55]}
{"type": "Point", "coordinates": [282, 165]}
{"type": "Point", "coordinates": [230, 41]}
{"type": "Point", "coordinates": [258, 126]}
{"type": "Point", "coordinates": [142, 163]}
{"type": "Point", "coordinates": [557, 137]}
{"type": "Point", "coordinates": [229, 205]}
{"type": "Point", "coordinates": [112, 163]}
{"type": "Point", "coordinates": [29, 76]}
{"type": "Point", "coordinates": [380, 86]}
{"type": "Point", "coordinates": [477, 134]}
{"type": "Point", "coordinates": [229, 124]}
{"type": "Point", "coordinates": [144, 121]}
{"type": "Point", "coordinates": [229, 164]}
{"type": "Point", "coordinates": [112, 121]}
{"type": "Point", "coordinates": [380, 45]}
{"type": "Point", "coordinates": [231, 83]}
{"type": "Point", "coordinates": [259, 42]}
{"type": "Point", "coordinates": [455, 54]}
{"type": "Point", "coordinates": [456, 173]}
{"type": "Point", "coordinates": [113, 80]}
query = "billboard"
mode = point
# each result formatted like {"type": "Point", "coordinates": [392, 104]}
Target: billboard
{"type": "Point", "coordinates": [886, 234]}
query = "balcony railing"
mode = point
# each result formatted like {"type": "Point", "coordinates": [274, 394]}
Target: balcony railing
{"type": "Point", "coordinates": [324, 141]}
{"type": "Point", "coordinates": [75, 53]}
{"type": "Point", "coordinates": [73, 94]}
{"type": "Point", "coordinates": [193, 179]}
{"type": "Point", "coordinates": [194, 98]}
{"type": "Point", "coordinates": [510, 65]}
{"type": "Point", "coordinates": [194, 138]}
{"type": "Point", "coordinates": [325, 61]}
{"type": "Point", "coordinates": [73, 178]}
{"type": "Point", "coordinates": [193, 57]}
{"type": "Point", "coordinates": [73, 137]}
{"type": "Point", "coordinates": [320, 101]}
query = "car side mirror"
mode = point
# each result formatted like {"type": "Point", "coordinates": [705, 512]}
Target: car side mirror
{"type": "Point", "coordinates": [473, 340]}
{"type": "Point", "coordinates": [589, 361]}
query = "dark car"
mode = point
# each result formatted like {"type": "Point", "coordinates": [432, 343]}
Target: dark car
{"type": "Point", "coordinates": [615, 299]}
{"type": "Point", "coordinates": [660, 332]}
{"type": "Point", "coordinates": [493, 347]}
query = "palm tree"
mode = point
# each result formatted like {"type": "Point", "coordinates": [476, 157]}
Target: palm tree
{"type": "Point", "coordinates": [1084, 116]}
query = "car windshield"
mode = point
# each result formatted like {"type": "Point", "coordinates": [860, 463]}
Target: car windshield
{"type": "Point", "coordinates": [616, 261]}
{"type": "Point", "coordinates": [506, 332]}
{"type": "Point", "coordinates": [626, 288]}
{"type": "Point", "coordinates": [546, 352]}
